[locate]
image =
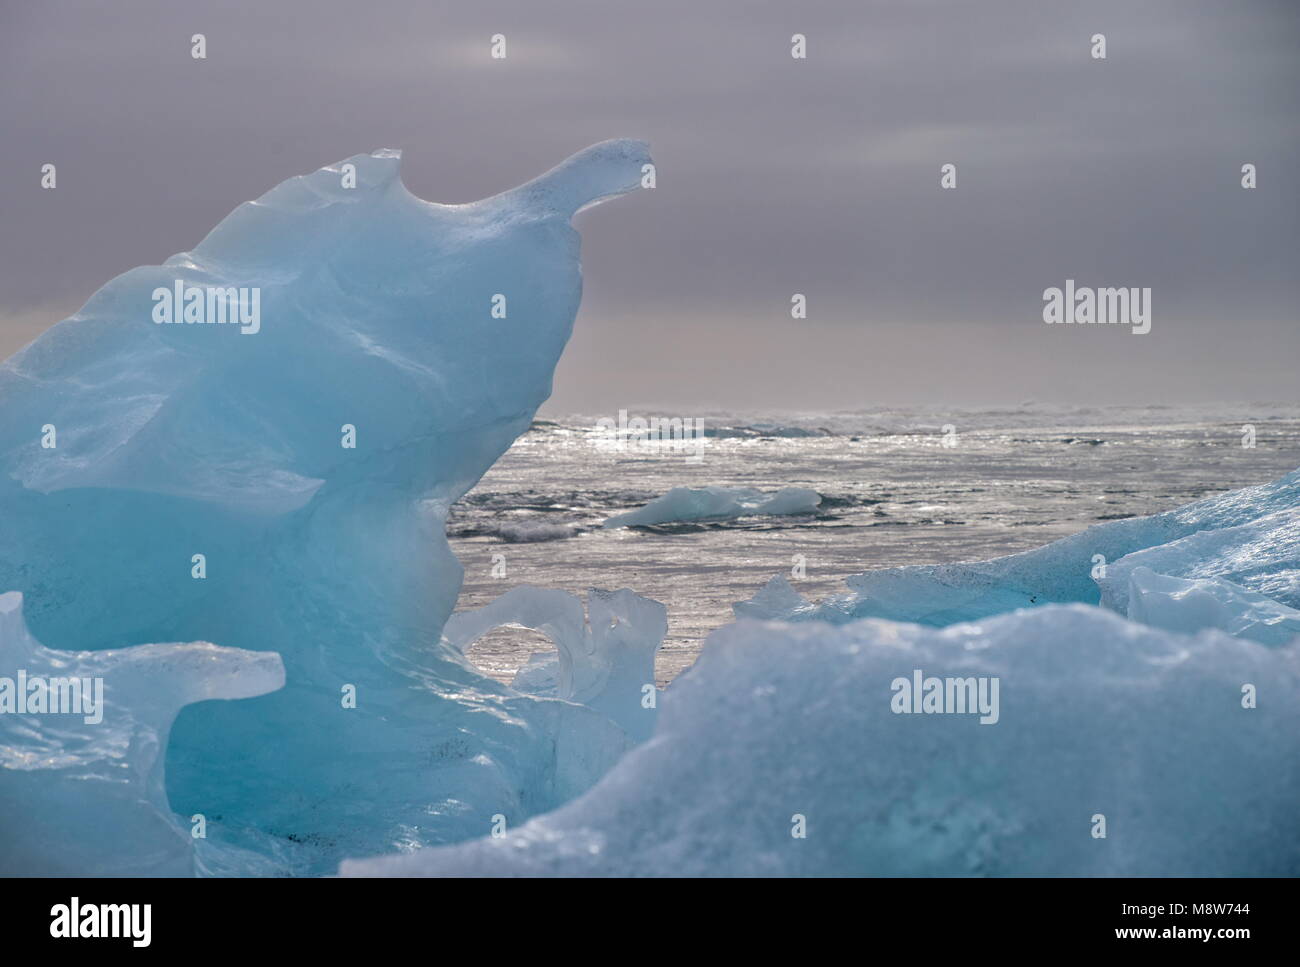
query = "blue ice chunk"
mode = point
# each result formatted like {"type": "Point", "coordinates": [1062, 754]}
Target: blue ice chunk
{"type": "Point", "coordinates": [1195, 604]}
{"type": "Point", "coordinates": [81, 741]}
{"type": "Point", "coordinates": [1259, 522]}
{"type": "Point", "coordinates": [718, 503]}
{"type": "Point", "coordinates": [606, 657]}
{"type": "Point", "coordinates": [785, 751]}
{"type": "Point", "coordinates": [171, 475]}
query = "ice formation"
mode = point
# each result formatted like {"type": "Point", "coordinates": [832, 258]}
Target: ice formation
{"type": "Point", "coordinates": [1179, 604]}
{"type": "Point", "coordinates": [1261, 555]}
{"type": "Point", "coordinates": [81, 732]}
{"type": "Point", "coordinates": [605, 660]}
{"type": "Point", "coordinates": [718, 503]}
{"type": "Point", "coordinates": [282, 486]}
{"type": "Point", "coordinates": [780, 730]}
{"type": "Point", "coordinates": [1250, 537]}
{"type": "Point", "coordinates": [781, 750]}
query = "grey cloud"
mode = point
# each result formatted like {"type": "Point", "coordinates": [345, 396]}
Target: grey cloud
{"type": "Point", "coordinates": [776, 176]}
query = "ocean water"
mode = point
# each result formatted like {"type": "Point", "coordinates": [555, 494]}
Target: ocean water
{"type": "Point", "coordinates": [893, 493]}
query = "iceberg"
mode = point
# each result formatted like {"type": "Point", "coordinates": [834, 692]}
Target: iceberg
{"type": "Point", "coordinates": [718, 503]}
{"type": "Point", "coordinates": [281, 485]}
{"type": "Point", "coordinates": [782, 751]}
{"type": "Point", "coordinates": [1249, 536]}
{"type": "Point", "coordinates": [257, 443]}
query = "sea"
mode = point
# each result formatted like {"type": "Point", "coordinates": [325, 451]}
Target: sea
{"type": "Point", "coordinates": [898, 486]}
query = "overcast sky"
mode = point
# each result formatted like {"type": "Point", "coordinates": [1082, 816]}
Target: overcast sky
{"type": "Point", "coordinates": [776, 176]}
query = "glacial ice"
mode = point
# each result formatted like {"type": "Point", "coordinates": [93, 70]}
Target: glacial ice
{"type": "Point", "coordinates": [283, 488]}
{"type": "Point", "coordinates": [1180, 604]}
{"type": "Point", "coordinates": [82, 794]}
{"type": "Point", "coordinates": [777, 600]}
{"type": "Point", "coordinates": [539, 676]}
{"type": "Point", "coordinates": [718, 503]}
{"type": "Point", "coordinates": [779, 726]}
{"type": "Point", "coordinates": [1261, 555]}
{"type": "Point", "coordinates": [1249, 536]}
{"type": "Point", "coordinates": [606, 658]}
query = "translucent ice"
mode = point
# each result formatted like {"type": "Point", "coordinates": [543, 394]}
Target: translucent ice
{"type": "Point", "coordinates": [1180, 604]}
{"type": "Point", "coordinates": [1249, 536]}
{"type": "Point", "coordinates": [281, 485]}
{"type": "Point", "coordinates": [81, 732]}
{"type": "Point", "coordinates": [540, 675]}
{"type": "Point", "coordinates": [1262, 556]}
{"type": "Point", "coordinates": [778, 601]}
{"type": "Point", "coordinates": [606, 658]}
{"type": "Point", "coordinates": [718, 503]}
{"type": "Point", "coordinates": [780, 752]}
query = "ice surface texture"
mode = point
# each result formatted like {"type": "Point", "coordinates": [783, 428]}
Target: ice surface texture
{"type": "Point", "coordinates": [1097, 716]}
{"type": "Point", "coordinates": [1179, 604]}
{"type": "Point", "coordinates": [83, 794]}
{"type": "Point", "coordinates": [1261, 555]}
{"type": "Point", "coordinates": [605, 660]}
{"type": "Point", "coordinates": [718, 503]}
{"type": "Point", "coordinates": [182, 439]}
{"type": "Point", "coordinates": [1250, 537]}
